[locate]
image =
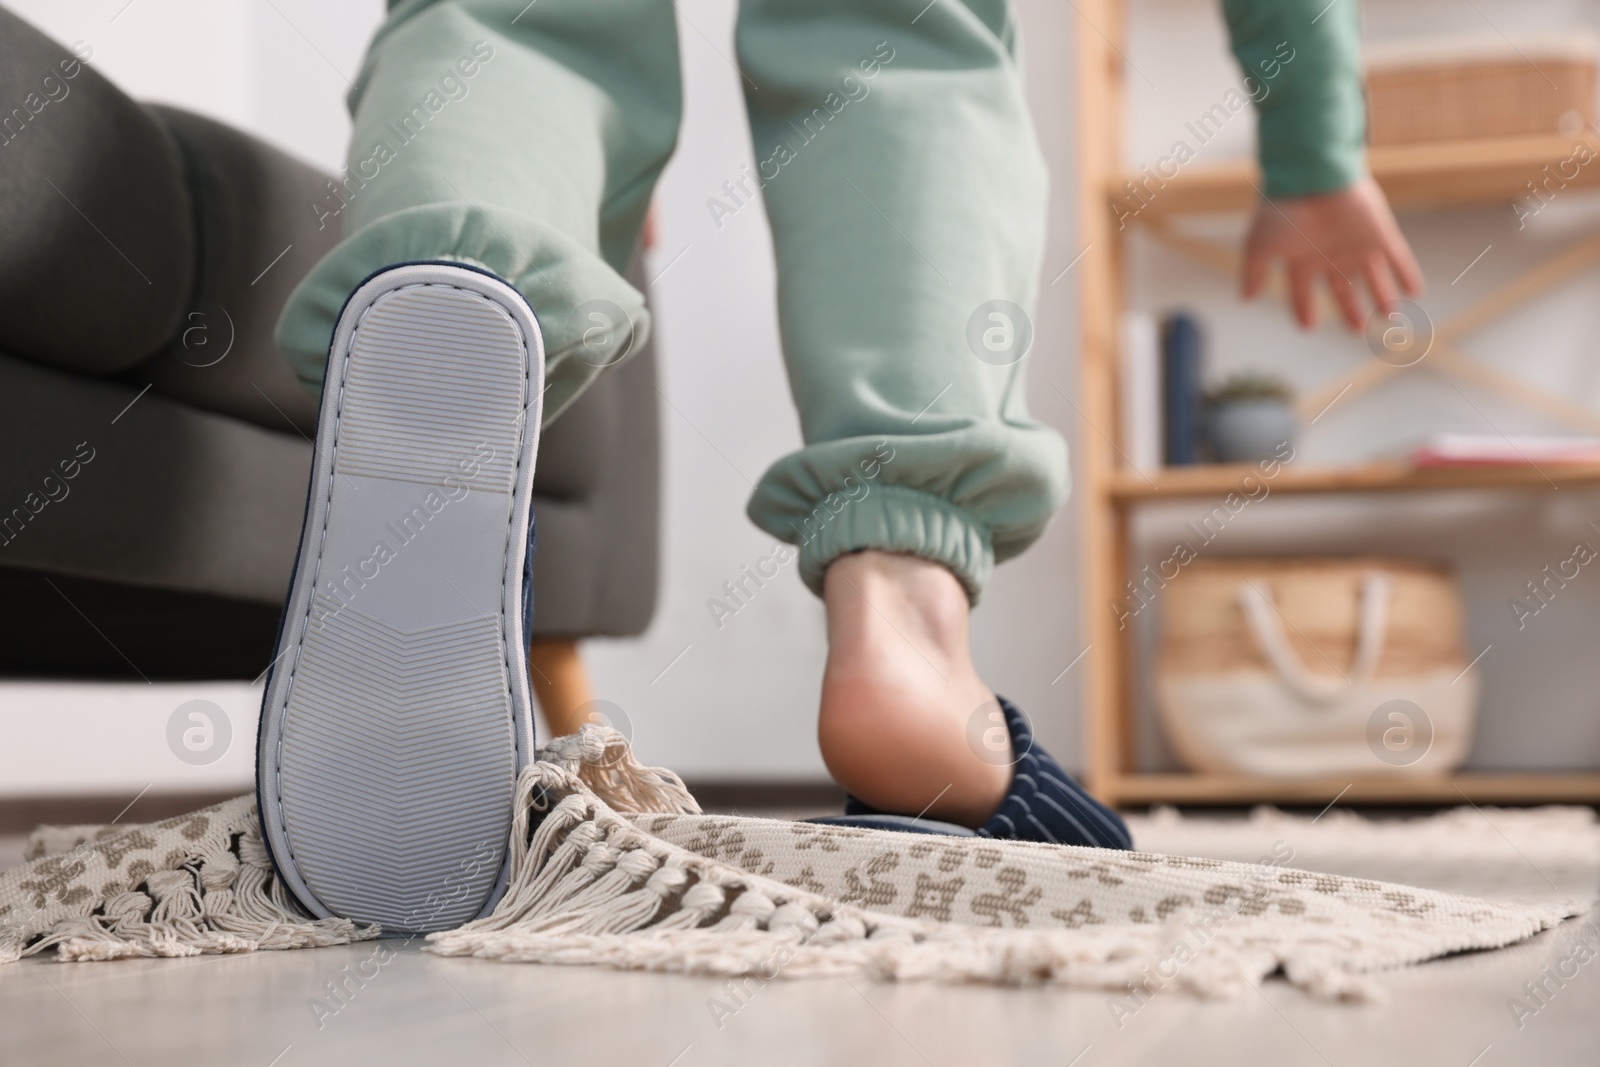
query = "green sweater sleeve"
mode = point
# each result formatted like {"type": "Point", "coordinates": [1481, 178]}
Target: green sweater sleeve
{"type": "Point", "coordinates": [1302, 66]}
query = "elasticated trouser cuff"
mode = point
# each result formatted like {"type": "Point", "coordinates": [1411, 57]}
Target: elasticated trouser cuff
{"type": "Point", "coordinates": [565, 283]}
{"type": "Point", "coordinates": [969, 494]}
{"type": "Point", "coordinates": [895, 519]}
{"type": "Point", "coordinates": [523, 139]}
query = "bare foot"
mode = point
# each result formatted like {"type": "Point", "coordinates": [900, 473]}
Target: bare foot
{"type": "Point", "coordinates": [900, 691]}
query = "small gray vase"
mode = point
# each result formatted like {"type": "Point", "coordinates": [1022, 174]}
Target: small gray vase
{"type": "Point", "coordinates": [1244, 431]}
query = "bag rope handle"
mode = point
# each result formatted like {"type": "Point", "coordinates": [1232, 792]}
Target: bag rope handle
{"type": "Point", "coordinates": [1263, 618]}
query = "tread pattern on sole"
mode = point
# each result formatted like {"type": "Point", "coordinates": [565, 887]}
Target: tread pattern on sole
{"type": "Point", "coordinates": [398, 754]}
{"type": "Point", "coordinates": [364, 750]}
{"type": "Point", "coordinates": [400, 419]}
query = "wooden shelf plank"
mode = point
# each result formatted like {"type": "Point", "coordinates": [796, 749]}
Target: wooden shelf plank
{"type": "Point", "coordinates": [1480, 788]}
{"type": "Point", "coordinates": [1487, 171]}
{"type": "Point", "coordinates": [1207, 480]}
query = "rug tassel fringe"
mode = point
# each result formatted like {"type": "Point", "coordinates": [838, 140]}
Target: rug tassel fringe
{"type": "Point", "coordinates": [589, 887]}
{"type": "Point", "coordinates": [225, 901]}
{"type": "Point", "coordinates": [592, 888]}
{"type": "Point", "coordinates": [603, 760]}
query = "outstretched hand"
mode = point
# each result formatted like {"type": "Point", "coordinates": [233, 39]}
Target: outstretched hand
{"type": "Point", "coordinates": [1344, 238]}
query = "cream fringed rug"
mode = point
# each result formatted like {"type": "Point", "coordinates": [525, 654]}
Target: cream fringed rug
{"type": "Point", "coordinates": [1523, 854]}
{"type": "Point", "coordinates": [614, 865]}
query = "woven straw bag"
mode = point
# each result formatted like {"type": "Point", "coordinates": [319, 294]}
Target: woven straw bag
{"type": "Point", "coordinates": [1315, 666]}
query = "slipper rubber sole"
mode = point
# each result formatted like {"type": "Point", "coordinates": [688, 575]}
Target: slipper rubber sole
{"type": "Point", "coordinates": [397, 715]}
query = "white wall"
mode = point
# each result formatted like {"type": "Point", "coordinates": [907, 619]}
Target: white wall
{"type": "Point", "coordinates": [741, 700]}
{"type": "Point", "coordinates": [278, 69]}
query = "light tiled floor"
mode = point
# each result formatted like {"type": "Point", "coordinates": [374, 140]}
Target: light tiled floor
{"type": "Point", "coordinates": [256, 1010]}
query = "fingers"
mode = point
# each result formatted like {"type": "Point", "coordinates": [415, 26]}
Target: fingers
{"type": "Point", "coordinates": [1395, 248]}
{"type": "Point", "coordinates": [1348, 297]}
{"type": "Point", "coordinates": [1303, 292]}
{"type": "Point", "coordinates": [1380, 282]}
{"type": "Point", "coordinates": [1253, 275]}
{"type": "Point", "coordinates": [1258, 254]}
{"type": "Point", "coordinates": [1350, 242]}
{"type": "Point", "coordinates": [1404, 263]}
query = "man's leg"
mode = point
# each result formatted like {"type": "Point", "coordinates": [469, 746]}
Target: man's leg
{"type": "Point", "coordinates": [524, 138]}
{"type": "Point", "coordinates": [907, 198]}
{"type": "Point", "coordinates": [507, 139]}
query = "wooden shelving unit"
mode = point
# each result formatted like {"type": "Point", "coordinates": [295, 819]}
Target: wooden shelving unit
{"type": "Point", "coordinates": [1437, 175]}
{"type": "Point", "coordinates": [1518, 788]}
{"type": "Point", "coordinates": [1429, 175]}
{"type": "Point", "coordinates": [1380, 477]}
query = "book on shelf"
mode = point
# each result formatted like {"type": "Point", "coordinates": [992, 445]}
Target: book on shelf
{"type": "Point", "coordinates": [1455, 449]}
{"type": "Point", "coordinates": [1139, 391]}
{"type": "Point", "coordinates": [1182, 367]}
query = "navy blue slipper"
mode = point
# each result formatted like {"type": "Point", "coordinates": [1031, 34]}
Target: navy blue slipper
{"type": "Point", "coordinates": [1043, 804]}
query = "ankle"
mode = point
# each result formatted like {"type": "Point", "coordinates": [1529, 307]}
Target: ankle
{"type": "Point", "coordinates": [865, 591]}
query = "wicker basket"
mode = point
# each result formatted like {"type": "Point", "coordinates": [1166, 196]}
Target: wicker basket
{"type": "Point", "coordinates": [1461, 90]}
{"type": "Point", "coordinates": [1303, 667]}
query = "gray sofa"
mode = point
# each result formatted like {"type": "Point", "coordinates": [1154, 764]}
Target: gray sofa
{"type": "Point", "coordinates": [154, 449]}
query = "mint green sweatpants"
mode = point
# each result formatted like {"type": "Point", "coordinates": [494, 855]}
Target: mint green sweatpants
{"type": "Point", "coordinates": [905, 189]}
